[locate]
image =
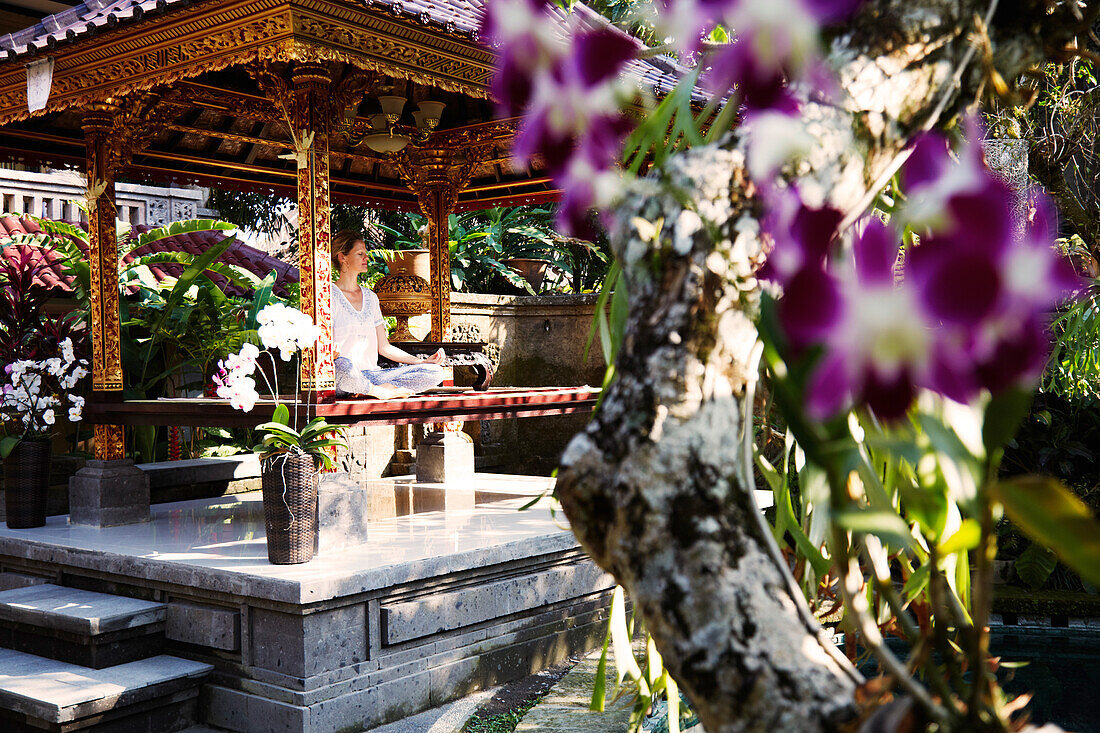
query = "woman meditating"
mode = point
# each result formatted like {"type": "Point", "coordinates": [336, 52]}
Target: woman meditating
{"type": "Point", "coordinates": [359, 334]}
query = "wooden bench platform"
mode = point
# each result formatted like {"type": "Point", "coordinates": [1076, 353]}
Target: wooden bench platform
{"type": "Point", "coordinates": [444, 405]}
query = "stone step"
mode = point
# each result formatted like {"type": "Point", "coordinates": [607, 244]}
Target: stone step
{"type": "Point", "coordinates": [146, 696]}
{"type": "Point", "coordinates": [82, 627]}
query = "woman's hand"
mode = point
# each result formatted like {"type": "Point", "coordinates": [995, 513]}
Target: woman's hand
{"type": "Point", "coordinates": [436, 358]}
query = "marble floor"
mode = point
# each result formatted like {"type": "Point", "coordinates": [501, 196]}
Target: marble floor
{"type": "Point", "coordinates": [220, 543]}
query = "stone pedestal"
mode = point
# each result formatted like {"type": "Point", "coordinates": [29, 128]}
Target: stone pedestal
{"type": "Point", "coordinates": [109, 493]}
{"type": "Point", "coordinates": [445, 457]}
{"type": "Point", "coordinates": [342, 510]}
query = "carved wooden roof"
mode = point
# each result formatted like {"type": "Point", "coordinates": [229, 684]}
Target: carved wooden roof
{"type": "Point", "coordinates": [187, 71]}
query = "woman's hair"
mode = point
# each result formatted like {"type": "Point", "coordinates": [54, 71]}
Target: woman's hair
{"type": "Point", "coordinates": [342, 243]}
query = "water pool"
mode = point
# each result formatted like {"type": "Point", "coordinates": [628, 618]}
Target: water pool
{"type": "Point", "coordinates": [1063, 673]}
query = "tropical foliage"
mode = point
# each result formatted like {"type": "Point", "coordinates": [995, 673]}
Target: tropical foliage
{"type": "Point", "coordinates": [172, 331]}
{"type": "Point", "coordinates": [482, 241]}
{"type": "Point", "coordinates": [44, 357]}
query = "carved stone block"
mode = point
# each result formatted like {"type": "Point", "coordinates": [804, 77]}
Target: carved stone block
{"type": "Point", "coordinates": [109, 493]}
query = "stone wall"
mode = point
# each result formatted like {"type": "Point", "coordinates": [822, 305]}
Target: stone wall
{"type": "Point", "coordinates": [541, 338]}
{"type": "Point", "coordinates": [542, 342]}
{"type": "Point", "coordinates": [55, 195]}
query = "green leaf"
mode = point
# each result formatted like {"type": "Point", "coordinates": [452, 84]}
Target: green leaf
{"type": "Point", "coordinates": [261, 299]}
{"type": "Point", "coordinates": [599, 687]}
{"type": "Point", "coordinates": [625, 664]}
{"type": "Point", "coordinates": [1003, 417]}
{"type": "Point", "coordinates": [902, 448]}
{"type": "Point", "coordinates": [7, 445]}
{"type": "Point", "coordinates": [620, 310]}
{"type": "Point", "coordinates": [176, 228]}
{"type": "Point", "coordinates": [282, 414]}
{"type": "Point", "coordinates": [145, 442]}
{"type": "Point", "coordinates": [279, 429]}
{"type": "Point", "coordinates": [917, 582]}
{"type": "Point", "coordinates": [887, 526]}
{"type": "Point", "coordinates": [317, 426]}
{"type": "Point", "coordinates": [927, 501]}
{"type": "Point", "coordinates": [1048, 513]}
{"type": "Point", "coordinates": [1035, 564]}
{"type": "Point", "coordinates": [672, 694]}
{"type": "Point", "coordinates": [313, 445]}
{"type": "Point", "coordinates": [599, 318]}
{"type": "Point", "coordinates": [943, 438]}
{"type": "Point", "coordinates": [183, 284]}
{"type": "Point", "coordinates": [966, 537]}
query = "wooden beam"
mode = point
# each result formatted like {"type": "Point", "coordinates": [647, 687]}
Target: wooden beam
{"type": "Point", "coordinates": [495, 403]}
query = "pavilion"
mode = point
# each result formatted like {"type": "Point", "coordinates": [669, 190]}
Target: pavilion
{"type": "Point", "coordinates": [395, 614]}
{"type": "Point", "coordinates": [303, 98]}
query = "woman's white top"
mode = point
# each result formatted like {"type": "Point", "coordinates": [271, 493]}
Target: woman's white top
{"type": "Point", "coordinates": [354, 331]}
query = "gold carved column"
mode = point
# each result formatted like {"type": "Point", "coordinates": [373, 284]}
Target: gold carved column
{"type": "Point", "coordinates": [436, 175]}
{"type": "Point", "coordinates": [98, 127]}
{"type": "Point", "coordinates": [312, 89]}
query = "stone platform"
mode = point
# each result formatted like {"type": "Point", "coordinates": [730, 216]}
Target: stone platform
{"type": "Point", "coordinates": [453, 595]}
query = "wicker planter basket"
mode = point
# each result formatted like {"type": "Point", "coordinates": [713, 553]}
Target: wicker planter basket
{"type": "Point", "coordinates": [290, 508]}
{"type": "Point", "coordinates": [27, 483]}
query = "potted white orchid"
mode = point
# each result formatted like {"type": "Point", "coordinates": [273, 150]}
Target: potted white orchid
{"type": "Point", "coordinates": [36, 395]}
{"type": "Point", "coordinates": [290, 457]}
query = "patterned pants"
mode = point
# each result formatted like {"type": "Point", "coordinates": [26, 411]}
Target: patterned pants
{"type": "Point", "coordinates": [416, 377]}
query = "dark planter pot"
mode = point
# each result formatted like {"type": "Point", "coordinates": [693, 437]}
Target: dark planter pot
{"type": "Point", "coordinates": [27, 483]}
{"type": "Point", "coordinates": [290, 508]}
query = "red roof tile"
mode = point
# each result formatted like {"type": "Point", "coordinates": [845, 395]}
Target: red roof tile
{"type": "Point", "coordinates": [248, 258]}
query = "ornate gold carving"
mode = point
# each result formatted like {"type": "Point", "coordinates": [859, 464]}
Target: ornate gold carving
{"type": "Point", "coordinates": [228, 102]}
{"type": "Point", "coordinates": [110, 442]}
{"type": "Point", "coordinates": [403, 296]}
{"type": "Point", "coordinates": [482, 136]}
{"type": "Point", "coordinates": [402, 289]}
{"type": "Point", "coordinates": [337, 34]}
{"type": "Point", "coordinates": [351, 90]}
{"type": "Point", "coordinates": [310, 123]}
{"type": "Point", "coordinates": [87, 74]}
{"type": "Point", "coordinates": [102, 161]}
{"type": "Point", "coordinates": [316, 51]}
{"type": "Point", "coordinates": [436, 175]}
{"type": "Point", "coordinates": [203, 39]}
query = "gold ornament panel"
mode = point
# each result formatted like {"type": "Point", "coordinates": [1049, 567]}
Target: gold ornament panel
{"type": "Point", "coordinates": [103, 265]}
{"type": "Point", "coordinates": [183, 50]}
{"type": "Point", "coordinates": [110, 442]}
{"type": "Point", "coordinates": [161, 51]}
{"type": "Point", "coordinates": [424, 58]}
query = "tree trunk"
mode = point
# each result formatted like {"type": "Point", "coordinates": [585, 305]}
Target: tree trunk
{"type": "Point", "coordinates": [658, 488]}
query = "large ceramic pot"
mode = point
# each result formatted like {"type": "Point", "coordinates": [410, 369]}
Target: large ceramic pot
{"type": "Point", "coordinates": [27, 483]}
{"type": "Point", "coordinates": [289, 482]}
{"type": "Point", "coordinates": [416, 262]}
{"type": "Point", "coordinates": [405, 292]}
{"type": "Point", "coordinates": [531, 270]}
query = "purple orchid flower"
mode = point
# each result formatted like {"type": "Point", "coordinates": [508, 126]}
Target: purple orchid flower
{"type": "Point", "coordinates": [968, 310]}
{"type": "Point", "coordinates": [568, 92]}
{"type": "Point", "coordinates": [876, 346]}
{"type": "Point", "coordinates": [800, 235]}
{"type": "Point", "coordinates": [777, 41]}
